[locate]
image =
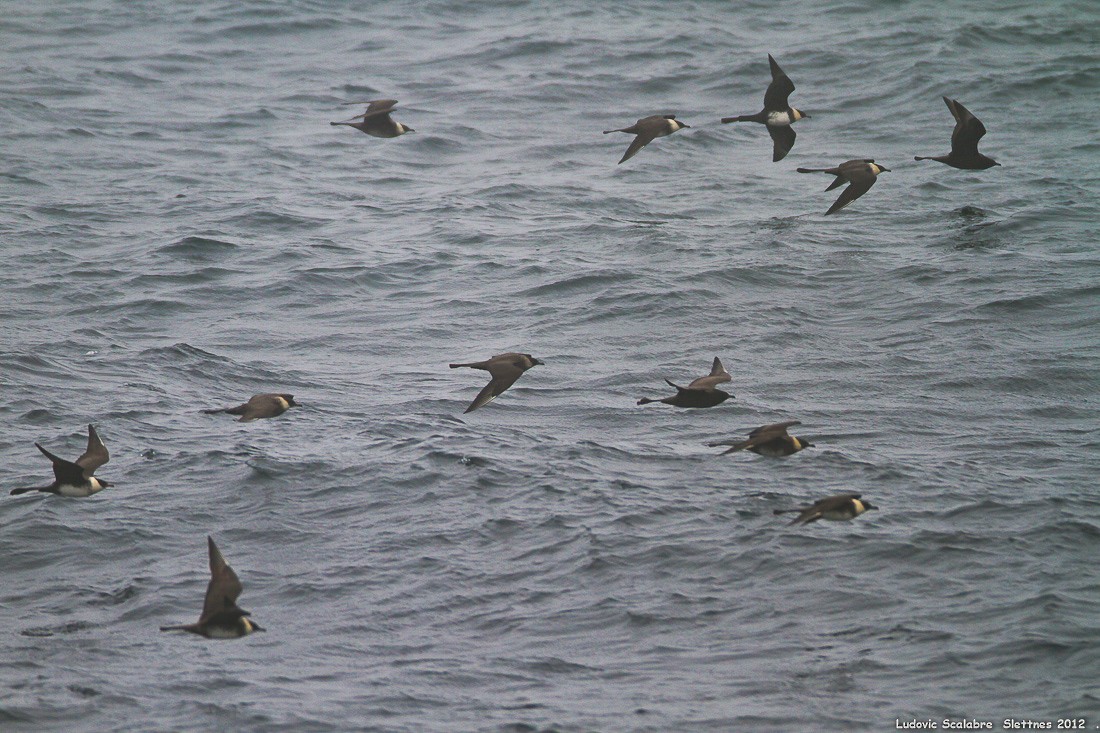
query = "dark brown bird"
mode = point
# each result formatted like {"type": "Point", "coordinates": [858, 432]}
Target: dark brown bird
{"type": "Point", "coordinates": [221, 617]}
{"type": "Point", "coordinates": [859, 174]}
{"type": "Point", "coordinates": [259, 406]}
{"type": "Point", "coordinates": [647, 130]}
{"type": "Point", "coordinates": [835, 508]}
{"type": "Point", "coordinates": [505, 370]}
{"type": "Point", "coordinates": [74, 478]}
{"type": "Point", "coordinates": [777, 115]}
{"type": "Point", "coordinates": [768, 440]}
{"type": "Point", "coordinates": [376, 120]}
{"type": "Point", "coordinates": [702, 392]}
{"type": "Point", "coordinates": [964, 141]}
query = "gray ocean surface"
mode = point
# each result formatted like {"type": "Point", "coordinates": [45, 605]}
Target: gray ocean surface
{"type": "Point", "coordinates": [182, 228]}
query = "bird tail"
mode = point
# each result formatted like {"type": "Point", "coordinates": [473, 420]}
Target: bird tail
{"type": "Point", "coordinates": [737, 445]}
{"type": "Point", "coordinates": [184, 627]}
{"type": "Point", "coordinates": [739, 118]}
{"type": "Point", "coordinates": [812, 170]}
{"type": "Point", "coordinates": [646, 401]}
{"type": "Point", "coordinates": [215, 411]}
{"type": "Point", "coordinates": [922, 157]}
{"type": "Point", "coordinates": [17, 492]}
{"type": "Point", "coordinates": [796, 520]}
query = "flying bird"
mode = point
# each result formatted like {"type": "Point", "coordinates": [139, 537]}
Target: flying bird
{"type": "Point", "coordinates": [702, 392]}
{"type": "Point", "coordinates": [75, 478]}
{"type": "Point", "coordinates": [505, 370]}
{"type": "Point", "coordinates": [860, 175]}
{"type": "Point", "coordinates": [834, 508]}
{"type": "Point", "coordinates": [777, 115]}
{"type": "Point", "coordinates": [221, 617]}
{"type": "Point", "coordinates": [768, 440]}
{"type": "Point", "coordinates": [376, 120]}
{"type": "Point", "coordinates": [647, 129]}
{"type": "Point", "coordinates": [964, 141]}
{"type": "Point", "coordinates": [259, 406]}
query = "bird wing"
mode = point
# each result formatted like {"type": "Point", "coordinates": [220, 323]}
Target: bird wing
{"type": "Point", "coordinates": [757, 436]}
{"type": "Point", "coordinates": [718, 375]}
{"type": "Point", "coordinates": [260, 405]}
{"type": "Point", "coordinates": [708, 383]}
{"type": "Point", "coordinates": [831, 503]}
{"type": "Point", "coordinates": [736, 445]}
{"type": "Point", "coordinates": [505, 374]}
{"type": "Point", "coordinates": [224, 588]}
{"type": "Point", "coordinates": [65, 472]}
{"type": "Point", "coordinates": [968, 129]}
{"type": "Point", "coordinates": [847, 170]}
{"type": "Point", "coordinates": [644, 138]}
{"type": "Point", "coordinates": [775, 98]}
{"type": "Point", "coordinates": [808, 515]}
{"type": "Point", "coordinates": [861, 182]}
{"type": "Point", "coordinates": [376, 107]}
{"type": "Point", "coordinates": [95, 456]}
{"type": "Point", "coordinates": [774, 430]}
{"type": "Point", "coordinates": [819, 508]}
{"type": "Point", "coordinates": [763, 434]}
{"type": "Point", "coordinates": [782, 141]}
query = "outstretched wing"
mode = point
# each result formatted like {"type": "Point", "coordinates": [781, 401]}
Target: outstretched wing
{"type": "Point", "coordinates": [505, 375]}
{"type": "Point", "coordinates": [775, 99]}
{"type": "Point", "coordinates": [782, 141]}
{"type": "Point", "coordinates": [65, 472]}
{"type": "Point", "coordinates": [968, 129]}
{"type": "Point", "coordinates": [376, 107]}
{"type": "Point", "coordinates": [224, 588]}
{"type": "Point", "coordinates": [718, 375]}
{"type": "Point", "coordinates": [774, 430]}
{"type": "Point", "coordinates": [861, 182]}
{"type": "Point", "coordinates": [760, 435]}
{"type": "Point", "coordinates": [639, 142]}
{"type": "Point", "coordinates": [95, 456]}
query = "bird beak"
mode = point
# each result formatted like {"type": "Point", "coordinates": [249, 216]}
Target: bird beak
{"type": "Point", "coordinates": [538, 362]}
